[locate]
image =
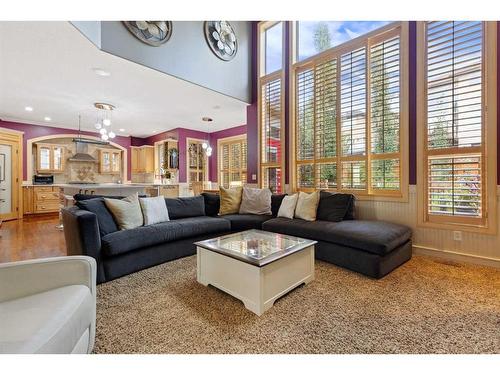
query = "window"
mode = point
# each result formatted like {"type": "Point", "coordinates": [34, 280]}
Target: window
{"type": "Point", "coordinates": [196, 161]}
{"type": "Point", "coordinates": [314, 37]}
{"type": "Point", "coordinates": [350, 117]}
{"type": "Point", "coordinates": [232, 161]}
{"type": "Point", "coordinates": [271, 107]}
{"type": "Point", "coordinates": [455, 68]}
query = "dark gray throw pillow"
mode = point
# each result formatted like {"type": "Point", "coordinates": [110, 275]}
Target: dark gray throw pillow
{"type": "Point", "coordinates": [104, 218]}
{"type": "Point", "coordinates": [333, 206]}
{"type": "Point", "coordinates": [179, 208]}
{"type": "Point", "coordinates": [212, 203]}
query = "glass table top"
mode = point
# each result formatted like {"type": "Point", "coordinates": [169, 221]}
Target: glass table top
{"type": "Point", "coordinates": [255, 246]}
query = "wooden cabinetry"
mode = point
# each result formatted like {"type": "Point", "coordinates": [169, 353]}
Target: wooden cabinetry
{"type": "Point", "coordinates": [49, 158]}
{"type": "Point", "coordinates": [40, 199]}
{"type": "Point", "coordinates": [110, 161]}
{"type": "Point", "coordinates": [143, 159]}
{"type": "Point", "coordinates": [168, 191]}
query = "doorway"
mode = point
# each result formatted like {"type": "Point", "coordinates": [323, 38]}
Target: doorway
{"type": "Point", "coordinates": [10, 175]}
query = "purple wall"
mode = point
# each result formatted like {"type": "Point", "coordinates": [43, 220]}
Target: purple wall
{"type": "Point", "coordinates": [412, 107]}
{"type": "Point", "coordinates": [214, 137]}
{"type": "Point", "coordinates": [35, 131]}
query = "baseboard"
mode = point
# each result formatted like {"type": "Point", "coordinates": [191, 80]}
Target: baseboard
{"type": "Point", "coordinates": [455, 256]}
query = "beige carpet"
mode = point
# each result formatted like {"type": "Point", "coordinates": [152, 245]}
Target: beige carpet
{"type": "Point", "coordinates": [425, 306]}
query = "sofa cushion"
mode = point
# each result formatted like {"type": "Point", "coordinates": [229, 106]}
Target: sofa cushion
{"type": "Point", "coordinates": [212, 203]}
{"type": "Point", "coordinates": [276, 200]}
{"type": "Point", "coordinates": [179, 208]}
{"type": "Point", "coordinates": [377, 237]}
{"type": "Point", "coordinates": [127, 240]}
{"type": "Point", "coordinates": [333, 206]}
{"type": "Point", "coordinates": [241, 222]}
{"type": "Point", "coordinates": [104, 218]}
{"type": "Point", "coordinates": [48, 322]}
{"type": "Point", "coordinates": [200, 225]}
{"type": "Point", "coordinates": [124, 241]}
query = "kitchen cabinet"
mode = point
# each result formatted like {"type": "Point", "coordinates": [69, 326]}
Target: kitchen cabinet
{"type": "Point", "coordinates": [50, 158]}
{"type": "Point", "coordinates": [168, 191]}
{"type": "Point", "coordinates": [110, 161]}
{"type": "Point", "coordinates": [143, 159]}
{"type": "Point", "coordinates": [40, 199]}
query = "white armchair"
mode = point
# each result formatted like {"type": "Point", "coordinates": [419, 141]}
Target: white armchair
{"type": "Point", "coordinates": [48, 305]}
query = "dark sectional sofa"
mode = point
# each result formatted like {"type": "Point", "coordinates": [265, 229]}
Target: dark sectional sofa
{"type": "Point", "coordinates": [373, 248]}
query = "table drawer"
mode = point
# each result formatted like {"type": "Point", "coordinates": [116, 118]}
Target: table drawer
{"type": "Point", "coordinates": [47, 207]}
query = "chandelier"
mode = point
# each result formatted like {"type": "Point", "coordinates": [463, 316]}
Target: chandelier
{"type": "Point", "coordinates": [205, 145]}
{"type": "Point", "coordinates": [103, 120]}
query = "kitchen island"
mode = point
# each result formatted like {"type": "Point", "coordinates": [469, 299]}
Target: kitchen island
{"type": "Point", "coordinates": [102, 189]}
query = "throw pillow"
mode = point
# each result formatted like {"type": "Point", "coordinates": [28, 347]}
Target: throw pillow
{"type": "Point", "coordinates": [276, 200]}
{"type": "Point", "coordinates": [333, 206]}
{"type": "Point", "coordinates": [212, 203]}
{"type": "Point", "coordinates": [307, 205]}
{"type": "Point", "coordinates": [288, 204]}
{"type": "Point", "coordinates": [154, 210]}
{"type": "Point", "coordinates": [105, 220]}
{"type": "Point", "coordinates": [255, 201]}
{"type": "Point", "coordinates": [230, 200]}
{"type": "Point", "coordinates": [127, 211]}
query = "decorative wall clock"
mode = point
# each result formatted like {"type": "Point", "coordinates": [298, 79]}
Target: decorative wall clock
{"type": "Point", "coordinates": [221, 38]}
{"type": "Point", "coordinates": [154, 33]}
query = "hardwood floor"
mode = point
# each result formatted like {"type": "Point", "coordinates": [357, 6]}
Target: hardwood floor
{"type": "Point", "coordinates": [32, 237]}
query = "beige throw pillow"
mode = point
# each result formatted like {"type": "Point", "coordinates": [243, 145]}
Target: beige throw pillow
{"type": "Point", "coordinates": [255, 201]}
{"type": "Point", "coordinates": [127, 211]}
{"type": "Point", "coordinates": [307, 204]}
{"type": "Point", "coordinates": [287, 207]}
{"type": "Point", "coordinates": [230, 200]}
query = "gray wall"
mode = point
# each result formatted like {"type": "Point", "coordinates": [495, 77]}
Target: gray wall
{"type": "Point", "coordinates": [186, 55]}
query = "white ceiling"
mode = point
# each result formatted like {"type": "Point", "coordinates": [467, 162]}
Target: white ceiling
{"type": "Point", "coordinates": [48, 66]}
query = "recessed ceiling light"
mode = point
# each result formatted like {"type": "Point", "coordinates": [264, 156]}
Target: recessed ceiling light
{"type": "Point", "coordinates": [29, 109]}
{"type": "Point", "coordinates": [101, 72]}
{"type": "Point", "coordinates": [47, 118]}
{"type": "Point", "coordinates": [207, 119]}
{"type": "Point", "coordinates": [122, 130]}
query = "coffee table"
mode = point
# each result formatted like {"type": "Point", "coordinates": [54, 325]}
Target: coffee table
{"type": "Point", "coordinates": [255, 266]}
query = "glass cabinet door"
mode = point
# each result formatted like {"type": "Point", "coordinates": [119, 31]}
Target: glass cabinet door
{"type": "Point", "coordinates": [44, 158]}
{"type": "Point", "coordinates": [57, 158]}
{"type": "Point", "coordinates": [115, 162]}
{"type": "Point", "coordinates": [106, 162]}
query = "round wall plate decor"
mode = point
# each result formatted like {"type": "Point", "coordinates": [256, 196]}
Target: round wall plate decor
{"type": "Point", "coordinates": [221, 38]}
{"type": "Point", "coordinates": [154, 33]}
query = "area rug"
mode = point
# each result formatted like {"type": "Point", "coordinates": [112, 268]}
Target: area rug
{"type": "Point", "coordinates": [425, 306]}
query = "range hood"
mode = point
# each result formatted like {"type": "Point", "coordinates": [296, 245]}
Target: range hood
{"type": "Point", "coordinates": [82, 154]}
{"type": "Point", "coordinates": [82, 148]}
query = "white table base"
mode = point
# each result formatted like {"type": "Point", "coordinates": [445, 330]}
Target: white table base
{"type": "Point", "coordinates": [257, 287]}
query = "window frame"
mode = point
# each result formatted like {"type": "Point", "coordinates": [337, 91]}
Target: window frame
{"type": "Point", "coordinates": [263, 79]}
{"type": "Point", "coordinates": [221, 142]}
{"type": "Point", "coordinates": [366, 40]}
{"type": "Point", "coordinates": [488, 149]}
